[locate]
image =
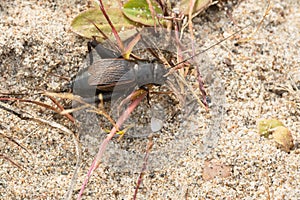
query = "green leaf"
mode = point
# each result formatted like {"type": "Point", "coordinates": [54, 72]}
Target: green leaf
{"type": "Point", "coordinates": [266, 126]}
{"type": "Point", "coordinates": [83, 25]}
{"type": "Point", "coordinates": [138, 11]}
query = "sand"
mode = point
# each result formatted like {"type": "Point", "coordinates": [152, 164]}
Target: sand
{"type": "Point", "coordinates": [38, 52]}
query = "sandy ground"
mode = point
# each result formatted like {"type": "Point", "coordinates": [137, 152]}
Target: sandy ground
{"type": "Point", "coordinates": [39, 52]}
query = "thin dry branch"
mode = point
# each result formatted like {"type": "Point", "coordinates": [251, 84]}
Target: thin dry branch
{"type": "Point", "coordinates": [12, 162]}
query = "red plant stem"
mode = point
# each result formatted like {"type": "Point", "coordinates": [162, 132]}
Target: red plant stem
{"type": "Point", "coordinates": [179, 52]}
{"type": "Point", "coordinates": [104, 144]}
{"type": "Point", "coordinates": [69, 116]}
{"type": "Point", "coordinates": [113, 29]}
{"type": "Point", "coordinates": [30, 101]}
{"type": "Point", "coordinates": [153, 13]}
{"type": "Point", "coordinates": [140, 179]}
{"type": "Point", "coordinates": [191, 7]}
{"type": "Point", "coordinates": [199, 75]}
{"type": "Point", "coordinates": [42, 105]}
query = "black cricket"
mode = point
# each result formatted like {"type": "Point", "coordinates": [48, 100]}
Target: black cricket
{"type": "Point", "coordinates": [114, 74]}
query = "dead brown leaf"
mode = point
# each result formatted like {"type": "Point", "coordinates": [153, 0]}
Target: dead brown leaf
{"type": "Point", "coordinates": [215, 168]}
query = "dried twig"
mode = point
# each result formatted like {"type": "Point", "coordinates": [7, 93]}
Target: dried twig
{"type": "Point", "coordinates": [12, 162]}
{"type": "Point", "coordinates": [14, 141]}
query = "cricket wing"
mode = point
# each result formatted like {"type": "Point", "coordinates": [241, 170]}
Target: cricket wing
{"type": "Point", "coordinates": [111, 71]}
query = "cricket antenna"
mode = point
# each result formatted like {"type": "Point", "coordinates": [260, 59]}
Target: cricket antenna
{"type": "Point", "coordinates": [213, 45]}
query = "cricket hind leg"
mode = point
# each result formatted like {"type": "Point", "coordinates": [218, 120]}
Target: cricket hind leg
{"type": "Point", "coordinates": [80, 85]}
{"type": "Point", "coordinates": [101, 51]}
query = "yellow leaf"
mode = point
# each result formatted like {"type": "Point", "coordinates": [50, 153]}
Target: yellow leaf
{"type": "Point", "coordinates": [283, 137]}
